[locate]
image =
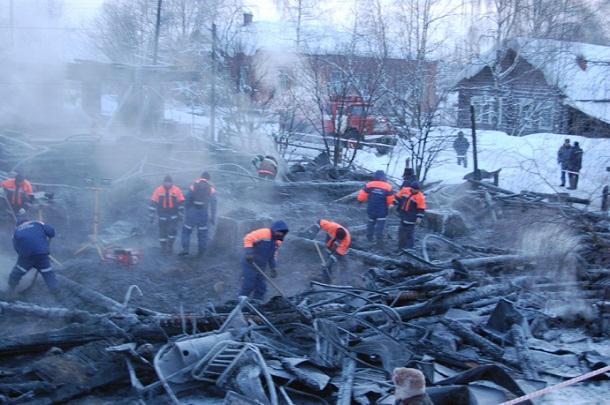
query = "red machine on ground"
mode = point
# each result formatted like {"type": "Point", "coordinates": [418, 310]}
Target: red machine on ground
{"type": "Point", "coordinates": [356, 120]}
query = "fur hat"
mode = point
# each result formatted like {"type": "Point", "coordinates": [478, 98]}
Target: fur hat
{"type": "Point", "coordinates": [409, 382]}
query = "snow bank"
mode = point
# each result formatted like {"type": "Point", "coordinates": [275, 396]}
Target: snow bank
{"type": "Point", "coordinates": [527, 163]}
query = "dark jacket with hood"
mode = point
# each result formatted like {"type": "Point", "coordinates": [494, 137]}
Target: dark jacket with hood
{"type": "Point", "coordinates": [262, 245]}
{"type": "Point", "coordinates": [461, 145]}
{"type": "Point", "coordinates": [575, 159]}
{"type": "Point", "coordinates": [379, 196]}
{"type": "Point", "coordinates": [563, 156]}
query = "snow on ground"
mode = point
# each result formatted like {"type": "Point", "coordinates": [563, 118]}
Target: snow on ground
{"type": "Point", "coordinates": [527, 163]}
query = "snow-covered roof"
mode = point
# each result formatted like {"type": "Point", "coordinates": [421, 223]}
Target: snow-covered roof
{"type": "Point", "coordinates": [314, 38]}
{"type": "Point", "coordinates": [580, 71]}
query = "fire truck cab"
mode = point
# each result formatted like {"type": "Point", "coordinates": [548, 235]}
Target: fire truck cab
{"type": "Point", "coordinates": [354, 119]}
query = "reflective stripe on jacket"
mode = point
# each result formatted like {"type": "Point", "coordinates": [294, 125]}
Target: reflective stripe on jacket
{"type": "Point", "coordinates": [166, 201]}
{"type": "Point", "coordinates": [379, 195]}
{"type": "Point", "coordinates": [17, 198]}
{"type": "Point", "coordinates": [411, 204]}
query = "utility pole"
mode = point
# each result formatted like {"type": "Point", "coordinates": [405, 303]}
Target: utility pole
{"type": "Point", "coordinates": [299, 17]}
{"type": "Point", "coordinates": [475, 158]}
{"type": "Point", "coordinates": [157, 29]}
{"type": "Point", "coordinates": [11, 17]}
{"type": "Point", "coordinates": [213, 135]}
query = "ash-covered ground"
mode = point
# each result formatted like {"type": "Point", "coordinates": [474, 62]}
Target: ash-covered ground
{"type": "Point", "coordinates": [193, 285]}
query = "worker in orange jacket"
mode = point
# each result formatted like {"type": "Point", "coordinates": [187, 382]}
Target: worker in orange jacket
{"type": "Point", "coordinates": [18, 192]}
{"type": "Point", "coordinates": [411, 203]}
{"type": "Point", "coordinates": [260, 251]}
{"type": "Point", "coordinates": [379, 196]}
{"type": "Point", "coordinates": [167, 204]}
{"type": "Point", "coordinates": [338, 240]}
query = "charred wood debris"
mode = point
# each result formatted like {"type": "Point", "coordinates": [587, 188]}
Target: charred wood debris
{"type": "Point", "coordinates": [473, 322]}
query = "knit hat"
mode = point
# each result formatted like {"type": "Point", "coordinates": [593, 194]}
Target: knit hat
{"type": "Point", "coordinates": [379, 175]}
{"type": "Point", "coordinates": [205, 175]}
{"type": "Point", "coordinates": [409, 383]}
{"type": "Point", "coordinates": [168, 179]}
{"type": "Point", "coordinates": [340, 234]}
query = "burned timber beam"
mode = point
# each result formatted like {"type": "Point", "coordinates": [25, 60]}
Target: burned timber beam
{"type": "Point", "coordinates": [523, 354]}
{"type": "Point", "coordinates": [443, 303]}
{"type": "Point", "coordinates": [482, 262]}
{"type": "Point", "coordinates": [71, 335]}
{"type": "Point", "coordinates": [558, 197]}
{"type": "Point", "coordinates": [486, 346]}
{"type": "Point", "coordinates": [408, 267]}
{"type": "Point", "coordinates": [70, 315]}
{"type": "Point", "coordinates": [92, 296]}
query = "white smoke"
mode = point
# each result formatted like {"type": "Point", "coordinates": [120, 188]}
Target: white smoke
{"type": "Point", "coordinates": [556, 249]}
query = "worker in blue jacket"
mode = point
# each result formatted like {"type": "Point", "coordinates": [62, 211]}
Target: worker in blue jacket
{"type": "Point", "coordinates": [260, 250]}
{"type": "Point", "coordinates": [31, 242]}
{"type": "Point", "coordinates": [379, 196]}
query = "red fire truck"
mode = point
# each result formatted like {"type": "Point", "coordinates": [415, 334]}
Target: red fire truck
{"type": "Point", "coordinates": [356, 120]}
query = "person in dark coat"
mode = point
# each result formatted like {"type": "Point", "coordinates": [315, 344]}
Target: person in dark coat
{"type": "Point", "coordinates": [260, 250]}
{"type": "Point", "coordinates": [31, 242]}
{"type": "Point", "coordinates": [411, 203]}
{"type": "Point", "coordinates": [200, 209]}
{"type": "Point", "coordinates": [461, 145]}
{"type": "Point", "coordinates": [410, 387]}
{"type": "Point", "coordinates": [563, 155]}
{"type": "Point", "coordinates": [379, 196]}
{"type": "Point", "coordinates": [574, 165]}
{"type": "Point", "coordinates": [408, 177]}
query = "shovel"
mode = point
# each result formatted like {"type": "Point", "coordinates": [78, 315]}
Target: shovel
{"type": "Point", "coordinates": [325, 270]}
{"type": "Point", "coordinates": [305, 315]}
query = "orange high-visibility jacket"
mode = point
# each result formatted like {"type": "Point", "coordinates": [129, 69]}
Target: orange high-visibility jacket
{"type": "Point", "coordinates": [379, 195]}
{"type": "Point", "coordinates": [16, 198]}
{"type": "Point", "coordinates": [411, 204]}
{"type": "Point", "coordinates": [166, 200]}
{"type": "Point", "coordinates": [261, 244]}
{"type": "Point", "coordinates": [331, 228]}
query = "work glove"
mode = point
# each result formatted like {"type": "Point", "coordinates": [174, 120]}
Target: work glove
{"type": "Point", "coordinates": [418, 221]}
{"type": "Point", "coordinates": [273, 273]}
{"type": "Point", "coordinates": [332, 258]}
{"type": "Point", "coordinates": [250, 259]}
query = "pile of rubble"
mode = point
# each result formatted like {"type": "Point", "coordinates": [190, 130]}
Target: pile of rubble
{"type": "Point", "coordinates": [484, 324]}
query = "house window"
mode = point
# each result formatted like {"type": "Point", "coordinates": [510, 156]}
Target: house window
{"type": "Point", "coordinates": [535, 114]}
{"type": "Point", "coordinates": [284, 81]}
{"type": "Point", "coordinates": [362, 82]}
{"type": "Point", "coordinates": [335, 81]}
{"type": "Point", "coordinates": [244, 76]}
{"type": "Point", "coordinates": [484, 109]}
{"type": "Point", "coordinates": [544, 116]}
{"type": "Point", "coordinates": [527, 112]}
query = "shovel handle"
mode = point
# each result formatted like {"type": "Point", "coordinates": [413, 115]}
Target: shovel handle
{"type": "Point", "coordinates": [320, 253]}
{"type": "Point", "coordinates": [269, 279]}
